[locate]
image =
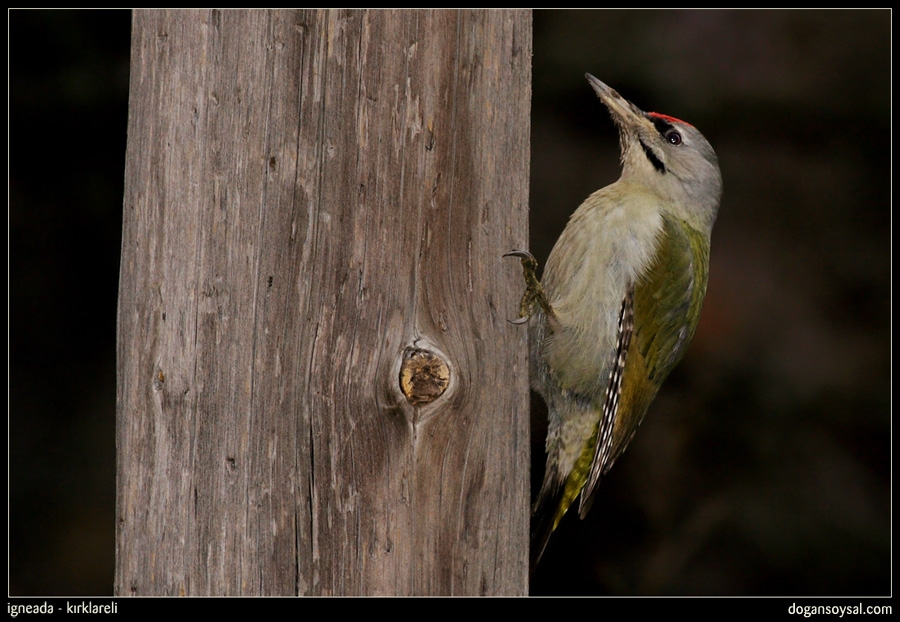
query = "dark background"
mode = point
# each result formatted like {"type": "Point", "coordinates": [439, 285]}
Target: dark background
{"type": "Point", "coordinates": [763, 467]}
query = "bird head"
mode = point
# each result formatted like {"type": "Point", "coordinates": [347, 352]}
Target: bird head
{"type": "Point", "coordinates": [668, 157]}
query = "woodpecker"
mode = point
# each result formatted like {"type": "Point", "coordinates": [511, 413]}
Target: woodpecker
{"type": "Point", "coordinates": [618, 302]}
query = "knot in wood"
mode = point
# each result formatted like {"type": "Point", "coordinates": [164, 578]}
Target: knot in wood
{"type": "Point", "coordinates": [424, 376]}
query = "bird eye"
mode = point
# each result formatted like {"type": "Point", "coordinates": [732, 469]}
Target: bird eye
{"type": "Point", "coordinates": [673, 137]}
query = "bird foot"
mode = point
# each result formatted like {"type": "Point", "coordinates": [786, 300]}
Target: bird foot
{"type": "Point", "coordinates": [534, 292]}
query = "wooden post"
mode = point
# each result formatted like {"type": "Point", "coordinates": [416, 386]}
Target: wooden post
{"type": "Point", "coordinates": [318, 391]}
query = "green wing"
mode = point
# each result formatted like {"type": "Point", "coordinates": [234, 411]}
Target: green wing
{"type": "Point", "coordinates": [667, 302]}
{"type": "Point", "coordinates": [667, 306]}
{"type": "Point", "coordinates": [657, 322]}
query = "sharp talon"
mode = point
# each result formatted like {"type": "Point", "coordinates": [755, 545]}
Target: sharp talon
{"type": "Point", "coordinates": [519, 253]}
{"type": "Point", "coordinates": [534, 293]}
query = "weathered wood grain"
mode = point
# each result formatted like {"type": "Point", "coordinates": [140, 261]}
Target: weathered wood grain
{"type": "Point", "coordinates": [311, 195]}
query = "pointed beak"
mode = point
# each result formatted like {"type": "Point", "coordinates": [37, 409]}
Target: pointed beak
{"type": "Point", "coordinates": [624, 113]}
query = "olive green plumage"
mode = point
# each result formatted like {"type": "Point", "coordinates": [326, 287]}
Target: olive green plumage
{"type": "Point", "coordinates": [618, 302]}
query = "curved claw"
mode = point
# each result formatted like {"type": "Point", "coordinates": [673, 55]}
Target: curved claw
{"type": "Point", "coordinates": [519, 253]}
{"type": "Point", "coordinates": [534, 293]}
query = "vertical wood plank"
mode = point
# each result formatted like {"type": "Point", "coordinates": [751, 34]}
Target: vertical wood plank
{"type": "Point", "coordinates": [310, 197]}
